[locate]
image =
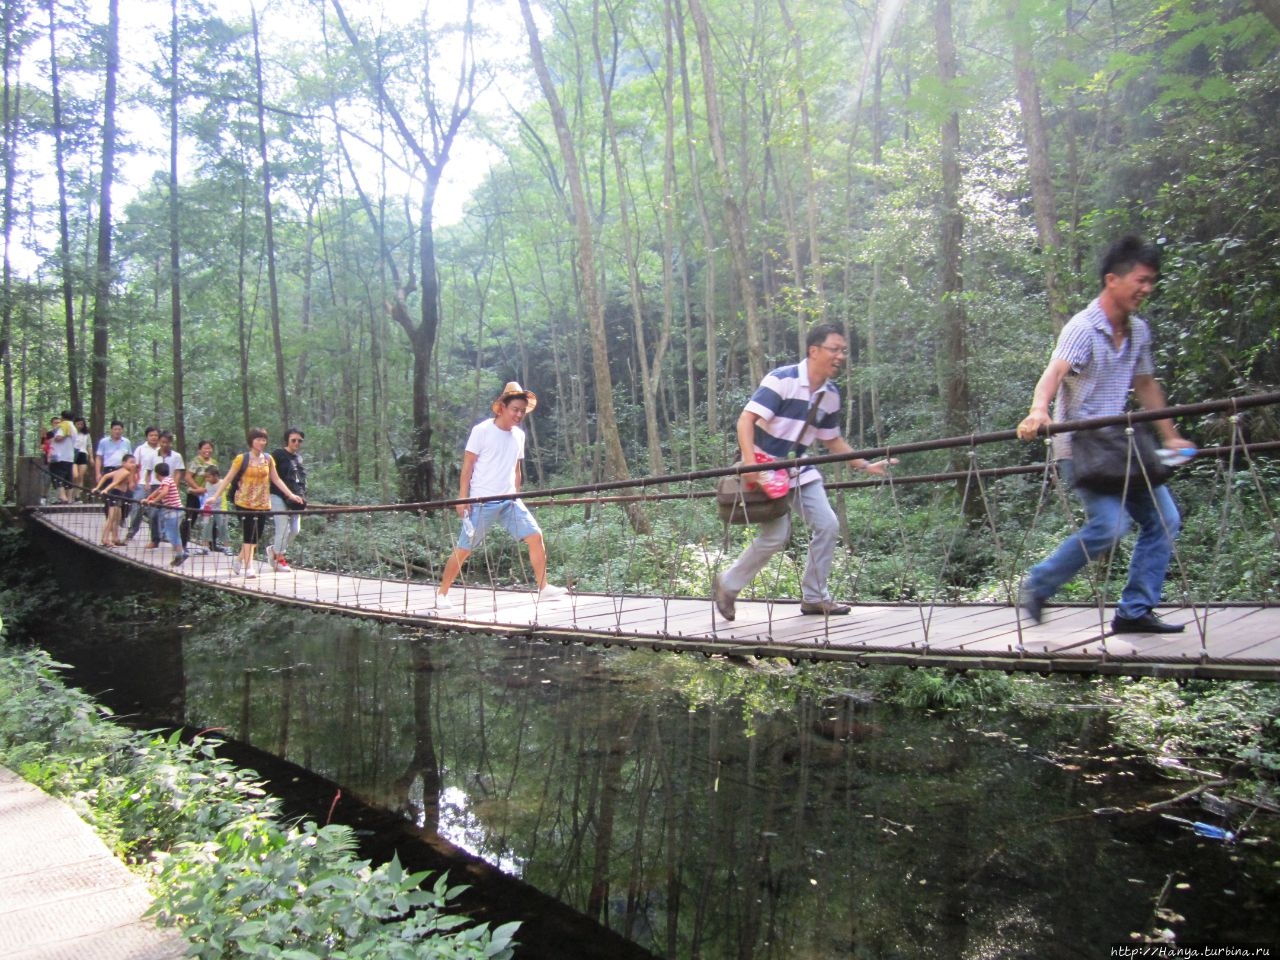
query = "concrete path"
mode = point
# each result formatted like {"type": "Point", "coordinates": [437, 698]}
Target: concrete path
{"type": "Point", "coordinates": [63, 894]}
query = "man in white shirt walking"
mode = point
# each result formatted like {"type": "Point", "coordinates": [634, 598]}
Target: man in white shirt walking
{"type": "Point", "coordinates": [62, 455]}
{"type": "Point", "coordinates": [146, 455]}
{"type": "Point", "coordinates": [492, 466]}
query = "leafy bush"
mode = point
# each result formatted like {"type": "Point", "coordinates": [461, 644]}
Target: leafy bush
{"type": "Point", "coordinates": [260, 890]}
{"type": "Point", "coordinates": [27, 589]}
{"type": "Point", "coordinates": [1230, 721]}
{"type": "Point", "coordinates": [942, 689]}
{"type": "Point", "coordinates": [239, 883]}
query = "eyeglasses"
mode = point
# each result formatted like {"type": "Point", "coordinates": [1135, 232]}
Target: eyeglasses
{"type": "Point", "coordinates": [295, 439]}
{"type": "Point", "coordinates": [836, 351]}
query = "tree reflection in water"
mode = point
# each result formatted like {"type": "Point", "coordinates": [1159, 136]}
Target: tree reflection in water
{"type": "Point", "coordinates": [628, 786]}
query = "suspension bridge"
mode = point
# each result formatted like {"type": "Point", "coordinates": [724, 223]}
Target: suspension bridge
{"type": "Point", "coordinates": [381, 562]}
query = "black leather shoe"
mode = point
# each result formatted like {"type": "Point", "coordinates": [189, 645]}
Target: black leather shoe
{"type": "Point", "coordinates": [1032, 607]}
{"type": "Point", "coordinates": [828, 607]}
{"type": "Point", "coordinates": [1147, 623]}
{"type": "Point", "coordinates": [723, 599]}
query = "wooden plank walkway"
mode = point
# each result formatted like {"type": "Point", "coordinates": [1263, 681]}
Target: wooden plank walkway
{"type": "Point", "coordinates": [1222, 641]}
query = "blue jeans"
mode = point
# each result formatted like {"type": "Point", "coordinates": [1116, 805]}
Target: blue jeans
{"type": "Point", "coordinates": [810, 502]}
{"type": "Point", "coordinates": [170, 521]}
{"type": "Point", "coordinates": [1107, 520]}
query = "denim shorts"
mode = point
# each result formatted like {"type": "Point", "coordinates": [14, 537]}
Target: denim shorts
{"type": "Point", "coordinates": [512, 515]}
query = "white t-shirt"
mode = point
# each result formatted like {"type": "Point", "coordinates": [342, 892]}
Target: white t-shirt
{"type": "Point", "coordinates": [146, 456]}
{"type": "Point", "coordinates": [174, 460]}
{"type": "Point", "coordinates": [62, 448]}
{"type": "Point", "coordinates": [497, 453]}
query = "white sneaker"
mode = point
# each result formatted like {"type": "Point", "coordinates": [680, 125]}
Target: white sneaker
{"type": "Point", "coordinates": [250, 573]}
{"type": "Point", "coordinates": [235, 564]}
{"type": "Point", "coordinates": [443, 602]}
{"type": "Point", "coordinates": [552, 592]}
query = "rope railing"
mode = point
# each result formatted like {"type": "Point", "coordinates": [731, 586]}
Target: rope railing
{"type": "Point", "coordinates": [544, 496]}
{"type": "Point", "coordinates": [890, 554]}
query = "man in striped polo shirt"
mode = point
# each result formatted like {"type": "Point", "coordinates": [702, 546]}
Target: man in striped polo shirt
{"type": "Point", "coordinates": [772, 422]}
{"type": "Point", "coordinates": [1103, 352]}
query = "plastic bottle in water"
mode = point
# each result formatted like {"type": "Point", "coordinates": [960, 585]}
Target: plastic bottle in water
{"type": "Point", "coordinates": [1213, 833]}
{"type": "Point", "coordinates": [1174, 457]}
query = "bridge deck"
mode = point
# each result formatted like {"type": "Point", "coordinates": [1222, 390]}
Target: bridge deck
{"type": "Point", "coordinates": [1221, 641]}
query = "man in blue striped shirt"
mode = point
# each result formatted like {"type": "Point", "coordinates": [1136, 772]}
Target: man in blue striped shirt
{"type": "Point", "coordinates": [772, 422]}
{"type": "Point", "coordinates": [1103, 352]}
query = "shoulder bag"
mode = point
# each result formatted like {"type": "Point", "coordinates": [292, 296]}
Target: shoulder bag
{"type": "Point", "coordinates": [739, 504]}
{"type": "Point", "coordinates": [1105, 460]}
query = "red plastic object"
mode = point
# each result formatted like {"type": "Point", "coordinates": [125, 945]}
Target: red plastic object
{"type": "Point", "coordinates": [774, 483]}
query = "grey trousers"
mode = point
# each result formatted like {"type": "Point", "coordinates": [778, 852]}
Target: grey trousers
{"type": "Point", "coordinates": [810, 503]}
{"type": "Point", "coordinates": [287, 524]}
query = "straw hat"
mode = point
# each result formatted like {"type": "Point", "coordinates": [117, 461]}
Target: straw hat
{"type": "Point", "coordinates": [512, 391]}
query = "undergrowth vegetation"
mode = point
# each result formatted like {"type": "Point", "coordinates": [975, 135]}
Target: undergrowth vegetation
{"type": "Point", "coordinates": [1234, 724]}
{"type": "Point", "coordinates": [237, 880]}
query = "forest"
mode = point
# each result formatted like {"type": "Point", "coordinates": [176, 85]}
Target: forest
{"type": "Point", "coordinates": [364, 219]}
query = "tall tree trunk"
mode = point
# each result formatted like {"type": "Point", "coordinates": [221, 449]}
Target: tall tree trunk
{"type": "Point", "coordinates": [273, 293]}
{"type": "Point", "coordinates": [953, 356]}
{"type": "Point", "coordinates": [243, 329]}
{"type": "Point", "coordinates": [64, 228]}
{"type": "Point", "coordinates": [9, 131]}
{"type": "Point", "coordinates": [877, 162]}
{"type": "Point", "coordinates": [175, 239]}
{"type": "Point", "coordinates": [444, 126]}
{"type": "Point", "coordinates": [814, 281]}
{"type": "Point", "coordinates": [308, 293]}
{"type": "Point", "coordinates": [1038, 163]}
{"type": "Point", "coordinates": [102, 267]}
{"type": "Point", "coordinates": [732, 211]}
{"type": "Point", "coordinates": [670, 234]}
{"type": "Point", "coordinates": [606, 418]}
{"type": "Point", "coordinates": [650, 368]}
{"type": "Point", "coordinates": [709, 341]}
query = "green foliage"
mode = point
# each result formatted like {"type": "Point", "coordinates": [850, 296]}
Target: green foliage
{"type": "Point", "coordinates": [944, 689]}
{"type": "Point", "coordinates": [27, 590]}
{"type": "Point", "coordinates": [1227, 721]}
{"type": "Point", "coordinates": [239, 882]}
{"type": "Point", "coordinates": [256, 889]}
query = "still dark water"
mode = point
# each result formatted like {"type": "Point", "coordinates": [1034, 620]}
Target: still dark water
{"type": "Point", "coordinates": [696, 809]}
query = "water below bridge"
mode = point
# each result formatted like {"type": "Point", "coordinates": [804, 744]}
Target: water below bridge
{"type": "Point", "coordinates": [700, 808]}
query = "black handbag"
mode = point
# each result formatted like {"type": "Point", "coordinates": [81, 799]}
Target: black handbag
{"type": "Point", "coordinates": [1115, 458]}
{"type": "Point", "coordinates": [738, 504]}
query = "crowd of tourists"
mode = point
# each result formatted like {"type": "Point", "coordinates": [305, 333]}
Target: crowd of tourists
{"type": "Point", "coordinates": [184, 503]}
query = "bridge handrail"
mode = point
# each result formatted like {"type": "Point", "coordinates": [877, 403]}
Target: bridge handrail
{"type": "Point", "coordinates": [1232, 404]}
{"type": "Point", "coordinates": [558, 494]}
